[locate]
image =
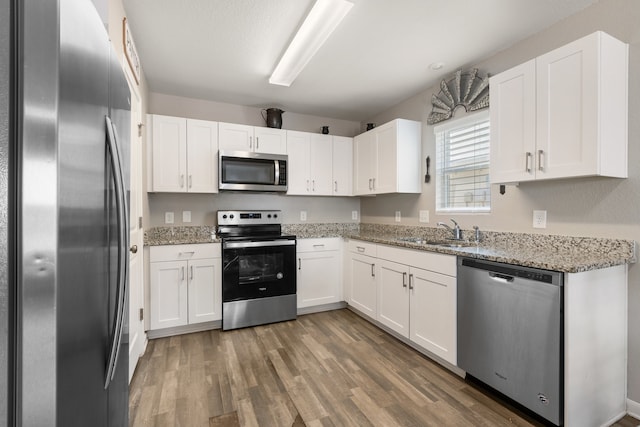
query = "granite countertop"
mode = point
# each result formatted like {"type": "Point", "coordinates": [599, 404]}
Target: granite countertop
{"type": "Point", "coordinates": [557, 253]}
{"type": "Point", "coordinates": [551, 252]}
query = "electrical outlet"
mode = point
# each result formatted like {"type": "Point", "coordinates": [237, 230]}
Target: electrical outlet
{"type": "Point", "coordinates": [424, 216]}
{"type": "Point", "coordinates": [539, 219]}
{"type": "Point", "coordinates": [168, 217]}
{"type": "Point", "coordinates": [186, 216]}
{"type": "Point", "coordinates": [354, 215]}
{"type": "Point", "coordinates": [303, 215]}
{"type": "Point", "coordinates": [398, 216]}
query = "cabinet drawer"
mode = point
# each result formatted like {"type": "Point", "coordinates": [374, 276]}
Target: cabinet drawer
{"type": "Point", "coordinates": [184, 252]}
{"type": "Point", "coordinates": [363, 248]}
{"type": "Point", "coordinates": [439, 263]}
{"type": "Point", "coordinates": [318, 245]}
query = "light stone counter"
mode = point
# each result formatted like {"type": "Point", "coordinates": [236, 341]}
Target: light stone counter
{"type": "Point", "coordinates": [551, 252]}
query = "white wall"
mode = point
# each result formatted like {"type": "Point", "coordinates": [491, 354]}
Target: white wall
{"type": "Point", "coordinates": [603, 207]}
{"type": "Point", "coordinates": [204, 207]}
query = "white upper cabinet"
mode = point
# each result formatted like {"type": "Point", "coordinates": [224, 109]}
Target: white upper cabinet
{"type": "Point", "coordinates": [563, 114]}
{"type": "Point", "coordinates": [387, 159]}
{"type": "Point", "coordinates": [314, 168]}
{"type": "Point", "coordinates": [342, 166]}
{"type": "Point", "coordinates": [236, 137]}
{"type": "Point", "coordinates": [183, 155]}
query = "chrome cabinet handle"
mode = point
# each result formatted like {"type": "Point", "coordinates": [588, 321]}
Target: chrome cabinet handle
{"type": "Point", "coordinates": [313, 185]}
{"type": "Point", "coordinates": [411, 282]}
{"type": "Point", "coordinates": [527, 162]}
{"type": "Point", "coordinates": [404, 279]}
{"type": "Point", "coordinates": [307, 185]}
{"type": "Point", "coordinates": [335, 186]}
{"type": "Point", "coordinates": [373, 270]}
{"type": "Point", "coordinates": [190, 180]}
{"type": "Point", "coordinates": [191, 272]}
{"type": "Point", "coordinates": [250, 142]}
{"type": "Point", "coordinates": [541, 160]}
{"type": "Point", "coordinates": [182, 181]}
{"type": "Point", "coordinates": [257, 143]}
{"type": "Point", "coordinates": [122, 216]}
{"type": "Point", "coordinates": [182, 269]}
{"type": "Point", "coordinates": [360, 248]}
{"type": "Point", "coordinates": [190, 253]}
{"type": "Point", "coordinates": [374, 184]}
{"type": "Point", "coordinates": [370, 184]}
{"type": "Point", "coordinates": [299, 264]}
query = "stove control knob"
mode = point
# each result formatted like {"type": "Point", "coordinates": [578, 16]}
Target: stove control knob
{"type": "Point", "coordinates": [231, 216]}
{"type": "Point", "coordinates": [268, 215]}
{"type": "Point", "coordinates": [224, 216]}
{"type": "Point", "coordinates": [275, 215]}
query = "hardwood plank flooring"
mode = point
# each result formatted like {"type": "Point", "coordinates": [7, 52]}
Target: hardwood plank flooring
{"type": "Point", "coordinates": [324, 369]}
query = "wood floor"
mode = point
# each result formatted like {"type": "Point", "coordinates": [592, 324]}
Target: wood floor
{"type": "Point", "coordinates": [325, 369]}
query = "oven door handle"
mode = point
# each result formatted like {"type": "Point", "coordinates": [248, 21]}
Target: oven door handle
{"type": "Point", "coordinates": [261, 244]}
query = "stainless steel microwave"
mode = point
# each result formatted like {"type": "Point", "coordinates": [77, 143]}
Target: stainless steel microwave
{"type": "Point", "coordinates": [247, 171]}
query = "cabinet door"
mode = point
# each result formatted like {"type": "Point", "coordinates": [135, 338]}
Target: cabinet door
{"type": "Point", "coordinates": [513, 124]}
{"type": "Point", "coordinates": [363, 284]}
{"type": "Point", "coordinates": [168, 293]}
{"type": "Point", "coordinates": [202, 156]}
{"type": "Point", "coordinates": [567, 113]}
{"type": "Point", "coordinates": [393, 296]}
{"type": "Point", "coordinates": [169, 153]}
{"type": "Point", "coordinates": [205, 292]}
{"type": "Point", "coordinates": [433, 312]}
{"type": "Point", "coordinates": [386, 177]}
{"type": "Point", "coordinates": [364, 153]}
{"type": "Point", "coordinates": [235, 137]}
{"type": "Point", "coordinates": [270, 140]}
{"type": "Point", "coordinates": [342, 166]}
{"type": "Point", "coordinates": [321, 165]}
{"type": "Point", "coordinates": [318, 278]}
{"type": "Point", "coordinates": [298, 151]}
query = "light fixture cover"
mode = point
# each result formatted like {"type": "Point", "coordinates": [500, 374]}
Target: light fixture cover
{"type": "Point", "coordinates": [322, 20]}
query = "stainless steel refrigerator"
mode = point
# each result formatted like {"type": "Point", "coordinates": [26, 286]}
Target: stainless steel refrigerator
{"type": "Point", "coordinates": [64, 161]}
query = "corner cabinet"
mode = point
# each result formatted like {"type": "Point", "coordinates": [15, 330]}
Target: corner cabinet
{"type": "Point", "coordinates": [342, 165]}
{"type": "Point", "coordinates": [387, 159]}
{"type": "Point", "coordinates": [183, 155]}
{"type": "Point", "coordinates": [237, 137]}
{"type": "Point", "coordinates": [563, 114]}
{"type": "Point", "coordinates": [185, 284]}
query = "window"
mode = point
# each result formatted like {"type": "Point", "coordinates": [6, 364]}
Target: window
{"type": "Point", "coordinates": [462, 165]}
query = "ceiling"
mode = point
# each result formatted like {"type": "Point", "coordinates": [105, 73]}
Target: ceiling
{"type": "Point", "coordinates": [225, 50]}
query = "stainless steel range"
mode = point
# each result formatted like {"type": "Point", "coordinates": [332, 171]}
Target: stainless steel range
{"type": "Point", "coordinates": [259, 269]}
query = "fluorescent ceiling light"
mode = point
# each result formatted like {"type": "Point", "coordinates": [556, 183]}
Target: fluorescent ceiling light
{"type": "Point", "coordinates": [314, 31]}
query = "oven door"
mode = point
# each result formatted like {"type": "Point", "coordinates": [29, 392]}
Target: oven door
{"type": "Point", "coordinates": [258, 268]}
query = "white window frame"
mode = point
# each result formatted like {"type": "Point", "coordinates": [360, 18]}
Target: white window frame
{"type": "Point", "coordinates": [480, 195]}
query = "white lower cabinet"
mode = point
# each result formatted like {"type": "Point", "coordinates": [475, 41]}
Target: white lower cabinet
{"type": "Point", "coordinates": [185, 284]}
{"type": "Point", "coordinates": [413, 293]}
{"type": "Point", "coordinates": [432, 311]}
{"type": "Point", "coordinates": [319, 271]}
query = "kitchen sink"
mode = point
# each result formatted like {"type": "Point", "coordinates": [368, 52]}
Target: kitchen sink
{"type": "Point", "coordinates": [443, 243]}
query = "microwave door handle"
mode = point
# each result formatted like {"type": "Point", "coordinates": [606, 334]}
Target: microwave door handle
{"type": "Point", "coordinates": [277, 169]}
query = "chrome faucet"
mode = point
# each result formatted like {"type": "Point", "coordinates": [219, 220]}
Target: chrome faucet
{"type": "Point", "coordinates": [457, 233]}
{"type": "Point", "coordinates": [478, 234]}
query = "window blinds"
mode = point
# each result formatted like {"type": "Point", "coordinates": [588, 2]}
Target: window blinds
{"type": "Point", "coordinates": [462, 165]}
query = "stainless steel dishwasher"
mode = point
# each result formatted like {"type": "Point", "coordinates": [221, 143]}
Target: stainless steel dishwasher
{"type": "Point", "coordinates": [510, 332]}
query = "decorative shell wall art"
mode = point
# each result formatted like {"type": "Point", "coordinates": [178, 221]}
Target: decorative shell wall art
{"type": "Point", "coordinates": [466, 89]}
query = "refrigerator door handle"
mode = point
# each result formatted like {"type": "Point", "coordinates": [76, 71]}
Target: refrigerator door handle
{"type": "Point", "coordinates": [123, 243]}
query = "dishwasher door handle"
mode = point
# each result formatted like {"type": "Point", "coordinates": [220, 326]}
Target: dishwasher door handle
{"type": "Point", "coordinates": [501, 277]}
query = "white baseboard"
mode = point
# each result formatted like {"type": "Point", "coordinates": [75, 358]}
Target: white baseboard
{"type": "Point", "coordinates": [633, 408]}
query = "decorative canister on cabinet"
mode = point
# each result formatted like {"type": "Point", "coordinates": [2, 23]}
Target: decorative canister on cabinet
{"type": "Point", "coordinates": [273, 117]}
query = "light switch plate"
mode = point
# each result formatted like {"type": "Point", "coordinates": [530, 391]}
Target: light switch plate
{"type": "Point", "coordinates": [354, 215]}
{"type": "Point", "coordinates": [398, 216]}
{"type": "Point", "coordinates": [539, 219]}
{"type": "Point", "coordinates": [303, 215]}
{"type": "Point", "coordinates": [424, 216]}
{"type": "Point", "coordinates": [168, 217]}
{"type": "Point", "coordinates": [186, 216]}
